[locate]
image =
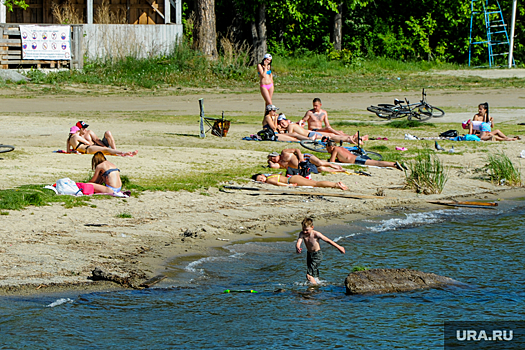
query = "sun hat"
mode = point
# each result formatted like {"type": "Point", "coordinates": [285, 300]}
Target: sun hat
{"type": "Point", "coordinates": [81, 125]}
{"type": "Point", "coordinates": [271, 108]}
{"type": "Point", "coordinates": [281, 117]}
{"type": "Point", "coordinates": [74, 129]}
{"type": "Point", "coordinates": [267, 56]}
{"type": "Point", "coordinates": [465, 124]}
{"type": "Point", "coordinates": [273, 154]}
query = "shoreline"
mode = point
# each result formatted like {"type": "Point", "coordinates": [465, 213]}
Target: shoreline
{"type": "Point", "coordinates": [156, 260]}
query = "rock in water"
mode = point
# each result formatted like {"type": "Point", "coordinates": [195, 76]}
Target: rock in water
{"type": "Point", "coordinates": [393, 280]}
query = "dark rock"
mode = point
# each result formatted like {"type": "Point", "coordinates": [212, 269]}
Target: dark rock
{"type": "Point", "coordinates": [393, 280]}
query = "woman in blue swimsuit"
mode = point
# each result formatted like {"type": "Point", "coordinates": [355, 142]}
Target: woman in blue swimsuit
{"type": "Point", "coordinates": [107, 173]}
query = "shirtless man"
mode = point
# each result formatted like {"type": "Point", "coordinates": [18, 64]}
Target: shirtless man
{"type": "Point", "coordinates": [315, 118]}
{"type": "Point", "coordinates": [291, 157]}
{"type": "Point", "coordinates": [89, 135]}
{"type": "Point", "coordinates": [342, 155]}
{"type": "Point", "coordinates": [300, 133]}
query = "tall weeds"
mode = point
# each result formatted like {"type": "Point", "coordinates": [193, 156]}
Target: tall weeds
{"type": "Point", "coordinates": [426, 173]}
{"type": "Point", "coordinates": [66, 13]}
{"type": "Point", "coordinates": [502, 171]}
{"type": "Point", "coordinates": [104, 14]}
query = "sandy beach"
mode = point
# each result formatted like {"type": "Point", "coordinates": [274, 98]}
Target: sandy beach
{"type": "Point", "coordinates": [51, 245]}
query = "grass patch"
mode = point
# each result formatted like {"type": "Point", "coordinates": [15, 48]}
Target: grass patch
{"type": "Point", "coordinates": [124, 215]}
{"type": "Point", "coordinates": [34, 195]}
{"type": "Point", "coordinates": [359, 268]}
{"type": "Point", "coordinates": [502, 171]}
{"type": "Point", "coordinates": [427, 173]}
{"type": "Point", "coordinates": [406, 124]}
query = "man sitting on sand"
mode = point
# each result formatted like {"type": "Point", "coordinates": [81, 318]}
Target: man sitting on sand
{"type": "Point", "coordinates": [108, 140]}
{"type": "Point", "coordinates": [300, 133]}
{"type": "Point", "coordinates": [343, 155]}
{"type": "Point", "coordinates": [315, 118]}
{"type": "Point", "coordinates": [291, 157]}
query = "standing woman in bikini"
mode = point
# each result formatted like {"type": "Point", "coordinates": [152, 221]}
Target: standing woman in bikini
{"type": "Point", "coordinates": [105, 173]}
{"type": "Point", "coordinates": [76, 143]}
{"type": "Point", "coordinates": [266, 79]}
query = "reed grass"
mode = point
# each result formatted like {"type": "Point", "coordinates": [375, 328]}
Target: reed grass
{"type": "Point", "coordinates": [501, 170]}
{"type": "Point", "coordinates": [426, 174]}
{"type": "Point", "coordinates": [66, 13]}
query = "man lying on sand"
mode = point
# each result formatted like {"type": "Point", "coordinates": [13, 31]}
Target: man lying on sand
{"type": "Point", "coordinates": [300, 133]}
{"type": "Point", "coordinates": [343, 155]}
{"type": "Point", "coordinates": [315, 118]}
{"type": "Point", "coordinates": [291, 157]}
{"type": "Point", "coordinates": [296, 180]}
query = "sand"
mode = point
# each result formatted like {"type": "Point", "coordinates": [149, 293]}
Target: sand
{"type": "Point", "coordinates": [42, 247]}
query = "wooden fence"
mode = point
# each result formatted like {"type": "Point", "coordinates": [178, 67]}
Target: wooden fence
{"type": "Point", "coordinates": [94, 41]}
{"type": "Point", "coordinates": [11, 50]}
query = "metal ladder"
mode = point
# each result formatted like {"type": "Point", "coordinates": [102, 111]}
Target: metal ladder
{"type": "Point", "coordinates": [497, 41]}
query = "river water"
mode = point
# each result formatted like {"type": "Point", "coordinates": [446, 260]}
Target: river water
{"type": "Point", "coordinates": [484, 249]}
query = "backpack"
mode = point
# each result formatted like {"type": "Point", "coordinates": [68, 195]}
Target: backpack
{"type": "Point", "coordinates": [449, 133]}
{"type": "Point", "coordinates": [267, 135]}
{"type": "Point", "coordinates": [68, 186]}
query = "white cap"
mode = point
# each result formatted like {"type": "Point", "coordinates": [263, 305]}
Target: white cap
{"type": "Point", "coordinates": [281, 117]}
{"type": "Point", "coordinates": [267, 56]}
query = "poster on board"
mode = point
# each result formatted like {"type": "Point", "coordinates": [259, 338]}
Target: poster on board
{"type": "Point", "coordinates": [46, 42]}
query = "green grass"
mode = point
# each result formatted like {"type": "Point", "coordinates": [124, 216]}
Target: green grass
{"type": "Point", "coordinates": [426, 174]}
{"type": "Point", "coordinates": [502, 171]}
{"type": "Point", "coordinates": [36, 195]}
{"type": "Point", "coordinates": [185, 71]}
{"type": "Point", "coordinates": [359, 268]}
{"type": "Point", "coordinates": [124, 215]}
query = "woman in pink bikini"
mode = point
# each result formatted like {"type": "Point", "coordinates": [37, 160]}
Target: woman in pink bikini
{"type": "Point", "coordinates": [266, 79]}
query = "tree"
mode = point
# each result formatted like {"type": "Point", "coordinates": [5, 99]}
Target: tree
{"type": "Point", "coordinates": [204, 32]}
{"type": "Point", "coordinates": [338, 27]}
{"type": "Point", "coordinates": [10, 3]}
{"type": "Point", "coordinates": [259, 38]}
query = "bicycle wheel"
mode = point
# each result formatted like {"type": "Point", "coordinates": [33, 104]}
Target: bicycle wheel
{"type": "Point", "coordinates": [419, 116]}
{"type": "Point", "coordinates": [381, 112]}
{"type": "Point", "coordinates": [358, 151]}
{"type": "Point", "coordinates": [433, 111]}
{"type": "Point", "coordinates": [6, 148]}
{"type": "Point", "coordinates": [314, 145]}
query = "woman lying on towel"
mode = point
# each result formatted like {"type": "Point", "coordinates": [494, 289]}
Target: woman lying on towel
{"type": "Point", "coordinates": [296, 180]}
{"type": "Point", "coordinates": [76, 143]}
{"type": "Point", "coordinates": [105, 173]}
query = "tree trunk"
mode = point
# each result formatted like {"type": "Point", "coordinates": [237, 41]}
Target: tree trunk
{"type": "Point", "coordinates": [204, 33]}
{"type": "Point", "coordinates": [338, 27]}
{"type": "Point", "coordinates": [259, 34]}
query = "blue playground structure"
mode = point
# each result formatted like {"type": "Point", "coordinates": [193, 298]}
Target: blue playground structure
{"type": "Point", "coordinates": [488, 13]}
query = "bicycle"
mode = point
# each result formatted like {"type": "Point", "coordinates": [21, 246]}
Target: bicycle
{"type": "Point", "coordinates": [6, 148]}
{"type": "Point", "coordinates": [422, 110]}
{"type": "Point", "coordinates": [320, 146]}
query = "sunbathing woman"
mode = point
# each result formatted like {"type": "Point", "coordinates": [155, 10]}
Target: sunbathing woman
{"type": "Point", "coordinates": [296, 180]}
{"type": "Point", "coordinates": [482, 125]}
{"type": "Point", "coordinates": [76, 143]}
{"type": "Point", "coordinates": [105, 173]}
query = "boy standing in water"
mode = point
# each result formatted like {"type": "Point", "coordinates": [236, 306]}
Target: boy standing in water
{"type": "Point", "coordinates": [314, 255]}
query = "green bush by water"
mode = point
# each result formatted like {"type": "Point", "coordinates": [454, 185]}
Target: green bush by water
{"type": "Point", "coordinates": [502, 171]}
{"type": "Point", "coordinates": [426, 174]}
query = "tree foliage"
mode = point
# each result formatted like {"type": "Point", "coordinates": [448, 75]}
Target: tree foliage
{"type": "Point", "coordinates": [411, 30]}
{"type": "Point", "coordinates": [10, 3]}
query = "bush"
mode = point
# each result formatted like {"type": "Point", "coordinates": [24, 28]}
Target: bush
{"type": "Point", "coordinates": [502, 171]}
{"type": "Point", "coordinates": [427, 174]}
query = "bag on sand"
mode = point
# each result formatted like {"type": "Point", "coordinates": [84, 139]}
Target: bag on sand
{"type": "Point", "coordinates": [68, 186]}
{"type": "Point", "coordinates": [267, 135]}
{"type": "Point", "coordinates": [449, 133]}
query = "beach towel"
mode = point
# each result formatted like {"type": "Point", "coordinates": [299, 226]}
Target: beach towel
{"type": "Point", "coordinates": [257, 138]}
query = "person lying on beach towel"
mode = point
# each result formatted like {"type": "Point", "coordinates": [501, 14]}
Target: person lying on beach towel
{"type": "Point", "coordinates": [296, 180]}
{"type": "Point", "coordinates": [78, 144]}
{"type": "Point", "coordinates": [291, 157]}
{"type": "Point", "coordinates": [343, 155]}
{"type": "Point", "coordinates": [297, 131]}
